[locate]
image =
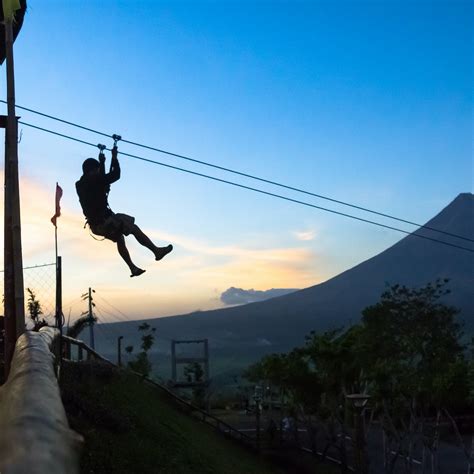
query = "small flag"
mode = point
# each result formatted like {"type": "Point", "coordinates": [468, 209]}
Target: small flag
{"type": "Point", "coordinates": [59, 195]}
{"type": "Point", "coordinates": [9, 8]}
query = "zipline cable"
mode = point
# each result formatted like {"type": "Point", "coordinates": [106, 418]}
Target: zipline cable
{"type": "Point", "coordinates": [246, 175]}
{"type": "Point", "coordinates": [249, 188]}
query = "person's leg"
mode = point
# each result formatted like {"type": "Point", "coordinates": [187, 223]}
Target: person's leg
{"type": "Point", "coordinates": [143, 239]}
{"type": "Point", "coordinates": [158, 252]}
{"type": "Point", "coordinates": [124, 253]}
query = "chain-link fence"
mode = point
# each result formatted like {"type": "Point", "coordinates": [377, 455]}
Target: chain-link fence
{"type": "Point", "coordinates": [40, 286]}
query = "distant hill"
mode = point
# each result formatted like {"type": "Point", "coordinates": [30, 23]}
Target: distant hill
{"type": "Point", "coordinates": [281, 323]}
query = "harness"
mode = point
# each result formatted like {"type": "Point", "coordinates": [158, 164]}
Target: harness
{"type": "Point", "coordinates": [92, 234]}
{"type": "Point", "coordinates": [101, 148]}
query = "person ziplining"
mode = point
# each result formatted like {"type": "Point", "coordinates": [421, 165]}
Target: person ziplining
{"type": "Point", "coordinates": [93, 189]}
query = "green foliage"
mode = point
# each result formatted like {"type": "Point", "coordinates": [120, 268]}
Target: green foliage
{"type": "Point", "coordinates": [35, 310]}
{"type": "Point", "coordinates": [411, 347]}
{"type": "Point", "coordinates": [195, 373]}
{"type": "Point", "coordinates": [470, 369]}
{"type": "Point", "coordinates": [406, 350]}
{"type": "Point", "coordinates": [79, 325]}
{"type": "Point", "coordinates": [298, 381]}
{"type": "Point", "coordinates": [142, 363]}
{"type": "Point", "coordinates": [335, 356]}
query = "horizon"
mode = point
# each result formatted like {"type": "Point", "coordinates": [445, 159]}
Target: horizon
{"type": "Point", "coordinates": [313, 108]}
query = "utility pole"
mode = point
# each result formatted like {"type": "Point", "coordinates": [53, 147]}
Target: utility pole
{"type": "Point", "coordinates": [13, 262]}
{"type": "Point", "coordinates": [88, 296]}
{"type": "Point", "coordinates": [91, 320]}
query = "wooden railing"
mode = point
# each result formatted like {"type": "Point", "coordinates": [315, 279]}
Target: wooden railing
{"type": "Point", "coordinates": [204, 416]}
{"type": "Point", "coordinates": [76, 350]}
{"type": "Point", "coordinates": [80, 347]}
{"type": "Point", "coordinates": [83, 352]}
{"type": "Point", "coordinates": [35, 437]}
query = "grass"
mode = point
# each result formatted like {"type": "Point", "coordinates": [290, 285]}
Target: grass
{"type": "Point", "coordinates": [131, 427]}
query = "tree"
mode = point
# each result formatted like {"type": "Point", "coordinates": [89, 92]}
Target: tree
{"type": "Point", "coordinates": [416, 363]}
{"type": "Point", "coordinates": [407, 352]}
{"type": "Point", "coordinates": [142, 363]}
{"type": "Point", "coordinates": [411, 344]}
{"type": "Point", "coordinates": [79, 325]}
{"type": "Point", "coordinates": [194, 373]}
{"type": "Point", "coordinates": [296, 380]}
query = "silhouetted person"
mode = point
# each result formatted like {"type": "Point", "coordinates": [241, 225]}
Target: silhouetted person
{"type": "Point", "coordinates": [93, 189]}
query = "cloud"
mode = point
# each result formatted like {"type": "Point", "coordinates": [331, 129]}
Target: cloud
{"type": "Point", "coordinates": [305, 235]}
{"type": "Point", "coordinates": [235, 296]}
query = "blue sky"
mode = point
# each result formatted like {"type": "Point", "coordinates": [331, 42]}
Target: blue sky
{"type": "Point", "coordinates": [368, 102]}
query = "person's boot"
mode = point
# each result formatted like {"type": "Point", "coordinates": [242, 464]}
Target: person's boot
{"type": "Point", "coordinates": [160, 252]}
{"type": "Point", "coordinates": [136, 272]}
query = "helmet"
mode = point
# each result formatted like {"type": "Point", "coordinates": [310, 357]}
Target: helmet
{"type": "Point", "coordinates": [89, 165]}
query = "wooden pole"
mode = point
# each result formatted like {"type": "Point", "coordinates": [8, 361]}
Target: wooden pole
{"type": "Point", "coordinates": [59, 304]}
{"type": "Point", "coordinates": [13, 261]}
{"type": "Point", "coordinates": [59, 294]}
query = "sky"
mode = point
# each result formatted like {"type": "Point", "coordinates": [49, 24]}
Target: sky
{"type": "Point", "coordinates": [366, 102]}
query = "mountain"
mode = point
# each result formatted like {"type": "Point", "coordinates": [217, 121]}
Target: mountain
{"type": "Point", "coordinates": [281, 323]}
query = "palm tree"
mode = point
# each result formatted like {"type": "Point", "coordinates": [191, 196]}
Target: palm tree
{"type": "Point", "coordinates": [78, 325]}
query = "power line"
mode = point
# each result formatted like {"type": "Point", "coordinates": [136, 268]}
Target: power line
{"type": "Point", "coordinates": [99, 325]}
{"type": "Point", "coordinates": [240, 173]}
{"type": "Point", "coordinates": [115, 319]}
{"type": "Point", "coordinates": [124, 318]}
{"type": "Point", "coordinates": [72, 302]}
{"type": "Point", "coordinates": [250, 188]}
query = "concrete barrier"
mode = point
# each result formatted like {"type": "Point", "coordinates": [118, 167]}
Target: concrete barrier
{"type": "Point", "coordinates": [35, 437]}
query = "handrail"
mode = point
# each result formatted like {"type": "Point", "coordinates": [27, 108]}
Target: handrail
{"type": "Point", "coordinates": [70, 341]}
{"type": "Point", "coordinates": [204, 413]}
{"type": "Point", "coordinates": [205, 416]}
{"type": "Point", "coordinates": [220, 425]}
{"type": "Point", "coordinates": [34, 432]}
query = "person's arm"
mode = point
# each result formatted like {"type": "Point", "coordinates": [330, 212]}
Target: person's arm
{"type": "Point", "coordinates": [102, 163]}
{"type": "Point", "coordinates": [114, 172]}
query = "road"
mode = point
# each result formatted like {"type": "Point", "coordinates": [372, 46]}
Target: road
{"type": "Point", "coordinates": [451, 458]}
